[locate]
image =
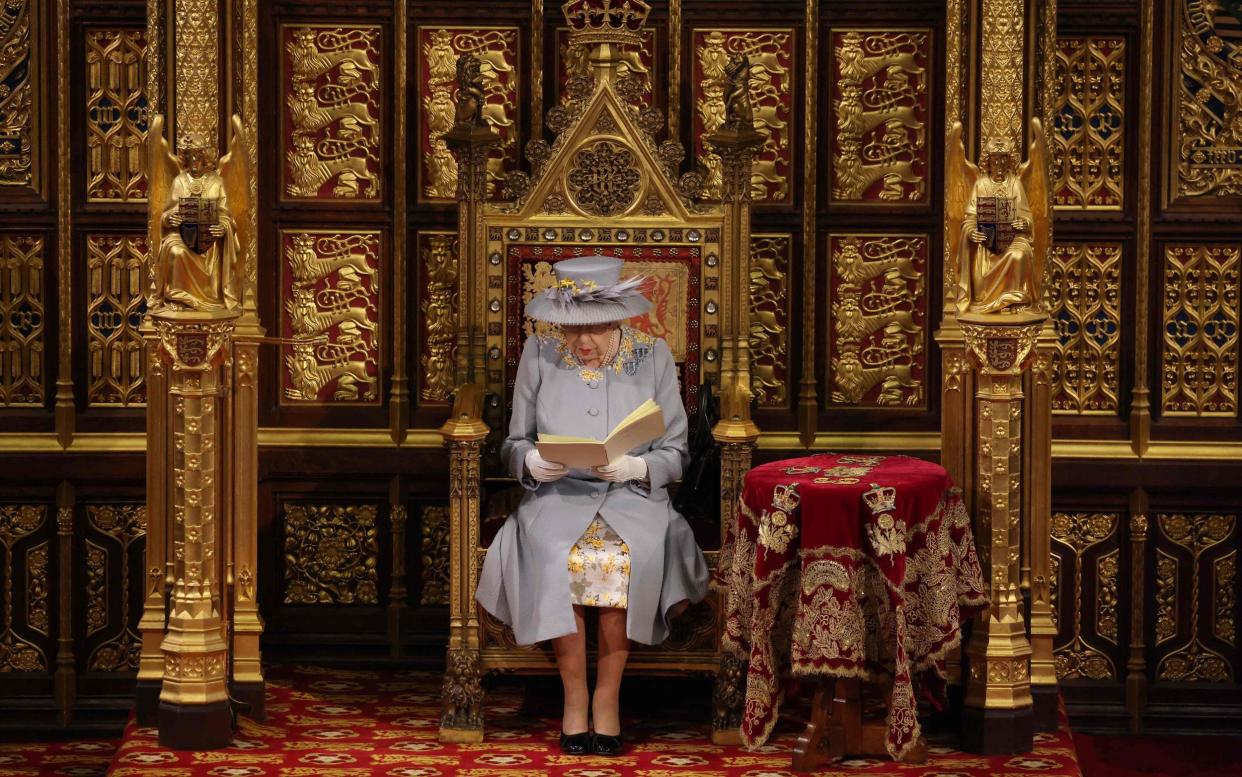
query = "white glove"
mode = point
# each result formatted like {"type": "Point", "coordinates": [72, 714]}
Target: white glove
{"type": "Point", "coordinates": [623, 470]}
{"type": "Point", "coordinates": [543, 470]}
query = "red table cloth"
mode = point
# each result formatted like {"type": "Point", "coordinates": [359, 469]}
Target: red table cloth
{"type": "Point", "coordinates": [847, 566]}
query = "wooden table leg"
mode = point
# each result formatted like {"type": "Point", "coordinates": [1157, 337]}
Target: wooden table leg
{"type": "Point", "coordinates": [823, 739]}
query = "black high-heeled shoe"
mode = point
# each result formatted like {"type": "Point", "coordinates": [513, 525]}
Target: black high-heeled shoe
{"type": "Point", "coordinates": [576, 744]}
{"type": "Point", "coordinates": [606, 744]}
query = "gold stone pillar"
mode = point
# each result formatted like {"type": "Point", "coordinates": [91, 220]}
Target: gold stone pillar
{"type": "Point", "coordinates": [154, 604]}
{"type": "Point", "coordinates": [735, 141]}
{"type": "Point", "coordinates": [1037, 534]}
{"type": "Point", "coordinates": [194, 707]}
{"type": "Point", "coordinates": [998, 711]}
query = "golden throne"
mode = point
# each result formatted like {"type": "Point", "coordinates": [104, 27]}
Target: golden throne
{"type": "Point", "coordinates": [606, 185]}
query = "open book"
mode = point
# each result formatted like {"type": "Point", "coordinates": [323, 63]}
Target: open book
{"type": "Point", "coordinates": [641, 426]}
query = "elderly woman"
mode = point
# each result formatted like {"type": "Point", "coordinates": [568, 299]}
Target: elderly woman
{"type": "Point", "coordinates": [606, 537]}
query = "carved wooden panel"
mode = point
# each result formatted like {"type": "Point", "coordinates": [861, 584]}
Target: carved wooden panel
{"type": "Point", "coordinates": [437, 256]}
{"type": "Point", "coordinates": [1084, 299]}
{"type": "Point", "coordinates": [643, 62]}
{"type": "Point", "coordinates": [435, 556]}
{"type": "Point", "coordinates": [772, 96]}
{"type": "Point", "coordinates": [117, 113]}
{"type": "Point", "coordinates": [878, 343]}
{"type": "Point", "coordinates": [331, 554]}
{"type": "Point", "coordinates": [115, 305]}
{"type": "Point", "coordinates": [22, 319]}
{"type": "Point", "coordinates": [331, 310]}
{"type": "Point", "coordinates": [1087, 139]}
{"type": "Point", "coordinates": [881, 103]}
{"type": "Point", "coordinates": [332, 119]}
{"type": "Point", "coordinates": [115, 543]}
{"type": "Point", "coordinates": [1195, 618]}
{"type": "Point", "coordinates": [19, 108]}
{"type": "Point", "coordinates": [1199, 361]}
{"type": "Point", "coordinates": [769, 317]}
{"type": "Point", "coordinates": [1086, 578]}
{"type": "Point", "coordinates": [24, 579]}
{"type": "Point", "coordinates": [499, 53]}
{"type": "Point", "coordinates": [1206, 153]}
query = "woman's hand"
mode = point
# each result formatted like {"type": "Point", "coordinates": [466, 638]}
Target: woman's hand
{"type": "Point", "coordinates": [623, 470]}
{"type": "Point", "coordinates": [543, 470]}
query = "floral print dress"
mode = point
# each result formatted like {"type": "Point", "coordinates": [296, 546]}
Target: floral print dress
{"type": "Point", "coordinates": [599, 568]}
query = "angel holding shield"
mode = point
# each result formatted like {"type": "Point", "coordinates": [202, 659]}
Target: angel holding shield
{"type": "Point", "coordinates": [1001, 219]}
{"type": "Point", "coordinates": [199, 242]}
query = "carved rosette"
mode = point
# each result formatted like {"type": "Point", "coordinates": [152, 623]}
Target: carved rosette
{"type": "Point", "coordinates": [604, 180]}
{"type": "Point", "coordinates": [877, 347]}
{"type": "Point", "coordinates": [331, 314]}
{"type": "Point", "coordinates": [331, 554]}
{"type": "Point", "coordinates": [882, 107]}
{"type": "Point", "coordinates": [497, 49]}
{"type": "Point", "coordinates": [333, 112]}
{"type": "Point", "coordinates": [771, 53]}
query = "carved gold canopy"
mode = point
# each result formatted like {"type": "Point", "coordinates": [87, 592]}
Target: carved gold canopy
{"type": "Point", "coordinates": [605, 186]}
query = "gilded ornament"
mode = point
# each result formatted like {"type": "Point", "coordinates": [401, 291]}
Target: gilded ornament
{"type": "Point", "coordinates": [115, 305]}
{"type": "Point", "coordinates": [635, 68]}
{"type": "Point", "coordinates": [438, 251]}
{"type": "Point", "coordinates": [1200, 317]}
{"type": "Point", "coordinates": [124, 526]}
{"type": "Point", "coordinates": [18, 108]}
{"type": "Point", "coordinates": [1087, 139]}
{"type": "Point", "coordinates": [479, 92]}
{"type": "Point", "coordinates": [768, 55]}
{"type": "Point", "coordinates": [604, 180]}
{"type": "Point", "coordinates": [117, 115]}
{"type": "Point", "coordinates": [1083, 298]}
{"type": "Point", "coordinates": [1207, 130]}
{"type": "Point", "coordinates": [1194, 534]}
{"type": "Point", "coordinates": [332, 315]}
{"type": "Point", "coordinates": [191, 202]}
{"type": "Point", "coordinates": [18, 654]}
{"type": "Point", "coordinates": [22, 320]}
{"type": "Point", "coordinates": [769, 318]}
{"type": "Point", "coordinates": [1001, 222]}
{"type": "Point", "coordinates": [333, 112]}
{"type": "Point", "coordinates": [878, 341]}
{"type": "Point", "coordinates": [881, 104]}
{"type": "Point", "coordinates": [1224, 598]}
{"type": "Point", "coordinates": [331, 554]}
{"type": "Point", "coordinates": [435, 556]}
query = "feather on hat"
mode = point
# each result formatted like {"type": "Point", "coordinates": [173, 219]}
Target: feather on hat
{"type": "Point", "coordinates": [589, 290]}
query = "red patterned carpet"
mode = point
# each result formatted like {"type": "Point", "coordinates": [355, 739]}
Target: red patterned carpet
{"type": "Point", "coordinates": [343, 723]}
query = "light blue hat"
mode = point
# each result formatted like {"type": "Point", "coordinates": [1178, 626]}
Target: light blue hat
{"type": "Point", "coordinates": [589, 290]}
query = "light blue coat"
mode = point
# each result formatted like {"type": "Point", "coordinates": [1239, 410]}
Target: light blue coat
{"type": "Point", "coordinates": [525, 579]}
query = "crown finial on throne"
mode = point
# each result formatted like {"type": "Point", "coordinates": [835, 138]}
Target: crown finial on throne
{"type": "Point", "coordinates": [606, 21]}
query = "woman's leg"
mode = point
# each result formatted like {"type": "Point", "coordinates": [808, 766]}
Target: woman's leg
{"type": "Point", "coordinates": [571, 661]}
{"type": "Point", "coordinates": [614, 650]}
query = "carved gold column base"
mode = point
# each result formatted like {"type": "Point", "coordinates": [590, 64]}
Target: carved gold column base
{"type": "Point", "coordinates": [998, 714]}
{"type": "Point", "coordinates": [461, 697]}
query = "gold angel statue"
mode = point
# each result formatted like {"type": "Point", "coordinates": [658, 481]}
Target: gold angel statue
{"type": "Point", "coordinates": [1003, 224]}
{"type": "Point", "coordinates": [191, 212]}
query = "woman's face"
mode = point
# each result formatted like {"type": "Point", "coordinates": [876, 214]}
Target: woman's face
{"type": "Point", "coordinates": [590, 342]}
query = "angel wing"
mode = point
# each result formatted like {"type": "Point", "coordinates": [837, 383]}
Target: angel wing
{"type": "Point", "coordinates": [235, 172]}
{"type": "Point", "coordinates": [1033, 176]}
{"type": "Point", "coordinates": [162, 169]}
{"type": "Point", "coordinates": [960, 177]}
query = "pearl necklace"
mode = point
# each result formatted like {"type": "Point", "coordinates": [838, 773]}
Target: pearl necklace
{"type": "Point", "coordinates": [589, 374]}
